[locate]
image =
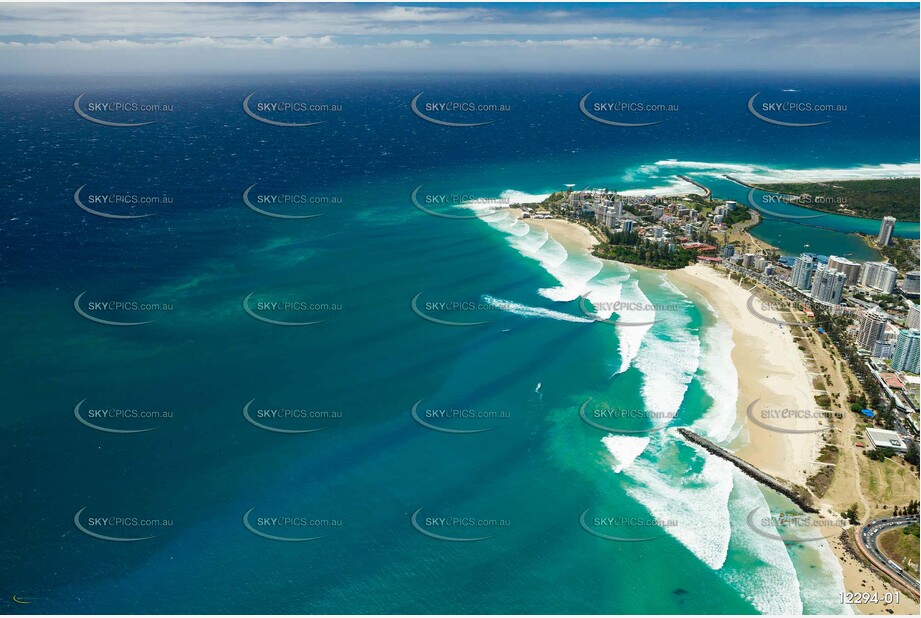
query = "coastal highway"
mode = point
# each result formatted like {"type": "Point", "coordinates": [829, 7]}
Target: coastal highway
{"type": "Point", "coordinates": [867, 537]}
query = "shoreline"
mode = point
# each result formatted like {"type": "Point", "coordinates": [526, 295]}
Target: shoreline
{"type": "Point", "coordinates": [788, 460]}
{"type": "Point", "coordinates": [790, 457]}
{"type": "Point", "coordinates": [778, 381]}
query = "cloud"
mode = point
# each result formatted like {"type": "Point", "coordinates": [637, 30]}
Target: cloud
{"type": "Point", "coordinates": [255, 43]}
{"type": "Point", "coordinates": [788, 37]}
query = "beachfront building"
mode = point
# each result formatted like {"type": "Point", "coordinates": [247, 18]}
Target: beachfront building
{"type": "Point", "coordinates": [879, 275]}
{"type": "Point", "coordinates": [803, 269]}
{"type": "Point", "coordinates": [846, 266]}
{"type": "Point", "coordinates": [883, 438]}
{"type": "Point", "coordinates": [885, 231]}
{"type": "Point", "coordinates": [907, 353]}
{"type": "Point", "coordinates": [872, 328]}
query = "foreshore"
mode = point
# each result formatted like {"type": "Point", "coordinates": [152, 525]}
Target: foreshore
{"type": "Point", "coordinates": [772, 369]}
{"type": "Point", "coordinates": [778, 380]}
{"type": "Point", "coordinates": [570, 235]}
{"type": "Point", "coordinates": [772, 375]}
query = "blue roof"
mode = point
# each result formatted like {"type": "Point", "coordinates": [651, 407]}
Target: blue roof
{"type": "Point", "coordinates": [868, 412]}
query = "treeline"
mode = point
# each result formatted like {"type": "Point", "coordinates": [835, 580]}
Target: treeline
{"type": "Point", "coordinates": [900, 255]}
{"type": "Point", "coordinates": [741, 213]}
{"type": "Point", "coordinates": [873, 199]}
{"type": "Point", "coordinates": [630, 248]}
{"type": "Point", "coordinates": [874, 398]}
{"type": "Point", "coordinates": [911, 509]}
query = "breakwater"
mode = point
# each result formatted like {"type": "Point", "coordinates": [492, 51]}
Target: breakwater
{"type": "Point", "coordinates": [749, 470]}
{"type": "Point", "coordinates": [707, 192]}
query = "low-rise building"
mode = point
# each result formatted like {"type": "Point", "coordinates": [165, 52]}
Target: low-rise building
{"type": "Point", "coordinates": [883, 438]}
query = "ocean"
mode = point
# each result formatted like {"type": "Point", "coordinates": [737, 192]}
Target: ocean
{"type": "Point", "coordinates": [419, 323]}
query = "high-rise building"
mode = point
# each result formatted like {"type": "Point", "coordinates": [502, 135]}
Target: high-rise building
{"type": "Point", "coordinates": [885, 282]}
{"type": "Point", "coordinates": [883, 349]}
{"type": "Point", "coordinates": [914, 317]}
{"type": "Point", "coordinates": [846, 266]}
{"type": "Point", "coordinates": [907, 354]}
{"type": "Point", "coordinates": [912, 284]}
{"type": "Point", "coordinates": [828, 285]}
{"type": "Point", "coordinates": [879, 275]}
{"type": "Point", "coordinates": [869, 272]}
{"type": "Point", "coordinates": [872, 328]}
{"type": "Point", "coordinates": [748, 259]}
{"type": "Point", "coordinates": [803, 268]}
{"type": "Point", "coordinates": [729, 251]}
{"type": "Point", "coordinates": [627, 226]}
{"type": "Point", "coordinates": [885, 231]}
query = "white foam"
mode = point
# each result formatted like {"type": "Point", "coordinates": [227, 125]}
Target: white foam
{"type": "Point", "coordinates": [825, 599]}
{"type": "Point", "coordinates": [761, 173]}
{"type": "Point", "coordinates": [533, 312]}
{"type": "Point", "coordinates": [673, 186]}
{"type": "Point", "coordinates": [720, 381]}
{"type": "Point", "coordinates": [697, 503]}
{"type": "Point", "coordinates": [624, 450]}
{"type": "Point", "coordinates": [632, 323]}
{"type": "Point", "coordinates": [520, 197]}
{"type": "Point", "coordinates": [581, 275]}
{"type": "Point", "coordinates": [668, 359]}
{"type": "Point", "coordinates": [767, 578]}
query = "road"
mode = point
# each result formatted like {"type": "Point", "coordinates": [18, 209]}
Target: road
{"type": "Point", "coordinates": [867, 538]}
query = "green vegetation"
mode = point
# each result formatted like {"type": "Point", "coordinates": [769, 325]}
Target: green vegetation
{"type": "Point", "coordinates": [899, 253]}
{"type": "Point", "coordinates": [911, 509]}
{"type": "Point", "coordinates": [740, 214]}
{"type": "Point", "coordinates": [822, 479]}
{"type": "Point", "coordinates": [851, 514]}
{"type": "Point", "coordinates": [912, 455]}
{"type": "Point", "coordinates": [902, 546]}
{"type": "Point", "coordinates": [873, 199]}
{"type": "Point", "coordinates": [875, 399]}
{"type": "Point", "coordinates": [630, 248]}
{"type": "Point", "coordinates": [881, 453]}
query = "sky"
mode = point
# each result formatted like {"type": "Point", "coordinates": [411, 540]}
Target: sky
{"type": "Point", "coordinates": [505, 37]}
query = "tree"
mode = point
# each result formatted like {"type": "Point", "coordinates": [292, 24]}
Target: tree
{"type": "Point", "coordinates": [851, 514]}
{"type": "Point", "coordinates": [912, 455]}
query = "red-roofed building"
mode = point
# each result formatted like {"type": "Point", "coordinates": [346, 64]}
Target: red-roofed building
{"type": "Point", "coordinates": [892, 380]}
{"type": "Point", "coordinates": [699, 246]}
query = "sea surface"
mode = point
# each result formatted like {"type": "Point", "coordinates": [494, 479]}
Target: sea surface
{"type": "Point", "coordinates": [407, 313]}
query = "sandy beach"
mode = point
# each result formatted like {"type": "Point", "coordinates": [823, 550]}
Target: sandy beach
{"type": "Point", "coordinates": [771, 368]}
{"type": "Point", "coordinates": [570, 235]}
{"type": "Point", "coordinates": [772, 371]}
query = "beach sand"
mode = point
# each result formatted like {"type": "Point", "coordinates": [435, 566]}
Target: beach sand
{"type": "Point", "coordinates": [571, 235]}
{"type": "Point", "coordinates": [772, 370]}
